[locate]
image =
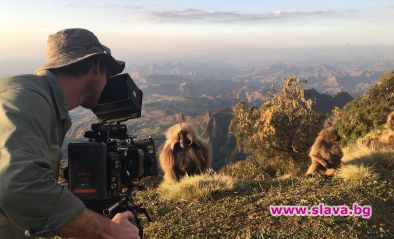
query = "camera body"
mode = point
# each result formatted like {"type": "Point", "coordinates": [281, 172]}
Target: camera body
{"type": "Point", "coordinates": [103, 169]}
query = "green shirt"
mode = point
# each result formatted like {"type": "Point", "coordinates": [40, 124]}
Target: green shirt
{"type": "Point", "coordinates": [33, 123]}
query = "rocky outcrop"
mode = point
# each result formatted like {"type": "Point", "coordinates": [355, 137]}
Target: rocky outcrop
{"type": "Point", "coordinates": [325, 103]}
{"type": "Point", "coordinates": [223, 144]}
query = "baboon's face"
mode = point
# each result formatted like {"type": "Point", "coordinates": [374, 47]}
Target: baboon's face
{"type": "Point", "coordinates": [330, 135]}
{"type": "Point", "coordinates": [184, 139]}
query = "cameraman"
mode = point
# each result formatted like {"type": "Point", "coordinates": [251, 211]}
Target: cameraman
{"type": "Point", "coordinates": [33, 123]}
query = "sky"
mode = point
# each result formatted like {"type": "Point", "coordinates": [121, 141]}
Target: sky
{"type": "Point", "coordinates": [149, 28]}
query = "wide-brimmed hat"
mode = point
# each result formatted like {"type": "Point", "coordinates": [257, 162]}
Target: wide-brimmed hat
{"type": "Point", "coordinates": [72, 45]}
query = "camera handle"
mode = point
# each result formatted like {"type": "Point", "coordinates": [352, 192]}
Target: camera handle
{"type": "Point", "coordinates": [125, 204]}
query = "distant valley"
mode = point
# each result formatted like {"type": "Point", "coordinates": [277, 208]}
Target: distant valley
{"type": "Point", "coordinates": [250, 82]}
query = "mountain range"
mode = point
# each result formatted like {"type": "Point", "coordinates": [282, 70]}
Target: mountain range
{"type": "Point", "coordinates": [211, 115]}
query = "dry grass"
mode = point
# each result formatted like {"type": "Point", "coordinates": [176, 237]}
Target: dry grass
{"type": "Point", "coordinates": [362, 163]}
{"type": "Point", "coordinates": [360, 154]}
{"type": "Point", "coordinates": [195, 187]}
{"type": "Point", "coordinates": [356, 174]}
{"type": "Point", "coordinates": [262, 168]}
{"type": "Point", "coordinates": [379, 138]}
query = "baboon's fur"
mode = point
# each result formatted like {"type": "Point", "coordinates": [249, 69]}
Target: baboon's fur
{"type": "Point", "coordinates": [177, 159]}
{"type": "Point", "coordinates": [325, 153]}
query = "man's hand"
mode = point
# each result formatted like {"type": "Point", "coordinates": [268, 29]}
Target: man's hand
{"type": "Point", "coordinates": [91, 225]}
{"type": "Point", "coordinates": [124, 220]}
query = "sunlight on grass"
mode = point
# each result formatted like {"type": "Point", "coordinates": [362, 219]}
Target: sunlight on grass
{"type": "Point", "coordinates": [195, 187]}
{"type": "Point", "coordinates": [362, 163]}
{"type": "Point", "coordinates": [356, 173]}
{"type": "Point", "coordinates": [307, 180]}
{"type": "Point", "coordinates": [356, 151]}
{"type": "Point", "coordinates": [360, 154]}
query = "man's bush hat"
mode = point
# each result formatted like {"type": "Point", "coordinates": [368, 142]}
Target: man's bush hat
{"type": "Point", "coordinates": [72, 45]}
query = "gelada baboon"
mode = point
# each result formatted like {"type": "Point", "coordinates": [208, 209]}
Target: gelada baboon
{"type": "Point", "coordinates": [184, 153]}
{"type": "Point", "coordinates": [390, 121]}
{"type": "Point", "coordinates": [325, 153]}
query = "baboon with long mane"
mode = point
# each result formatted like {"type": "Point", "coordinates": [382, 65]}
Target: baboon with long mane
{"type": "Point", "coordinates": [325, 153]}
{"type": "Point", "coordinates": [184, 153]}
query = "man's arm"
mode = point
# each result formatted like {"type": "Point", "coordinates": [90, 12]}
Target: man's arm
{"type": "Point", "coordinates": [29, 193]}
{"type": "Point", "coordinates": [92, 225]}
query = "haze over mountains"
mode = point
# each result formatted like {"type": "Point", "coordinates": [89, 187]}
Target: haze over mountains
{"type": "Point", "coordinates": [328, 70]}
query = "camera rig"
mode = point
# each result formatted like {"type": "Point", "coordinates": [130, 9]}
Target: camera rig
{"type": "Point", "coordinates": [103, 170]}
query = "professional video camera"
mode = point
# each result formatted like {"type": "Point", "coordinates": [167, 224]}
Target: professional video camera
{"type": "Point", "coordinates": [102, 171]}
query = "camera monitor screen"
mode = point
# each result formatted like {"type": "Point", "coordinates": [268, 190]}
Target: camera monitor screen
{"type": "Point", "coordinates": [121, 100]}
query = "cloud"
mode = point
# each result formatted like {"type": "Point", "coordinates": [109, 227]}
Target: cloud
{"type": "Point", "coordinates": [192, 14]}
{"type": "Point", "coordinates": [119, 5]}
{"type": "Point", "coordinates": [352, 11]}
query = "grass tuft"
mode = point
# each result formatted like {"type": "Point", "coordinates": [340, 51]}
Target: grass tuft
{"type": "Point", "coordinates": [362, 163]}
{"type": "Point", "coordinates": [195, 187]}
{"type": "Point", "coordinates": [356, 174]}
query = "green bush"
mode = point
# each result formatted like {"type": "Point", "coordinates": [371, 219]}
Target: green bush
{"type": "Point", "coordinates": [285, 125]}
{"type": "Point", "coordinates": [367, 112]}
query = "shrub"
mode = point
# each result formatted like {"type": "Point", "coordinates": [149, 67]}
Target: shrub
{"type": "Point", "coordinates": [367, 112]}
{"type": "Point", "coordinates": [285, 125]}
